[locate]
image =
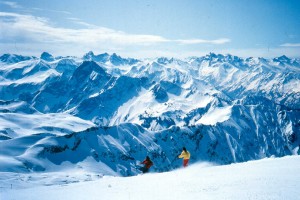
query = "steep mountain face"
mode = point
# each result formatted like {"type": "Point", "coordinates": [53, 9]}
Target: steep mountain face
{"type": "Point", "coordinates": [221, 107]}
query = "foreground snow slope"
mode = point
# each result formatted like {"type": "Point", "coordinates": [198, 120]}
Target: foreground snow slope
{"type": "Point", "coordinates": [273, 178]}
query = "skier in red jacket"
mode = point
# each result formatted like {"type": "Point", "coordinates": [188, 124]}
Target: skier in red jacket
{"type": "Point", "coordinates": [147, 164]}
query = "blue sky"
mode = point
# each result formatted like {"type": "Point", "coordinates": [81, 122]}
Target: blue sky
{"type": "Point", "coordinates": [136, 28]}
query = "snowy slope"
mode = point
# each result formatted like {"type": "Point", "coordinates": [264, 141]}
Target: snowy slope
{"type": "Point", "coordinates": [273, 178]}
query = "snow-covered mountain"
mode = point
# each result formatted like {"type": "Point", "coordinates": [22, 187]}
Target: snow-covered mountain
{"type": "Point", "coordinates": [111, 112]}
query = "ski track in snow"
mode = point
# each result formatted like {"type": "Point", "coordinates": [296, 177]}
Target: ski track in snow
{"type": "Point", "coordinates": [271, 178]}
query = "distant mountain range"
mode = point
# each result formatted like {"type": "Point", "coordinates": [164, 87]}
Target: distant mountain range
{"type": "Point", "coordinates": [109, 111]}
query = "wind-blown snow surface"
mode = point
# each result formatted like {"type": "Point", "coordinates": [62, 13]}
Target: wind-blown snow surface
{"type": "Point", "coordinates": [108, 111]}
{"type": "Point", "coordinates": [273, 178]}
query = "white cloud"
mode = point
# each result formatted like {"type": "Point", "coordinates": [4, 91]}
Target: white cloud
{"type": "Point", "coordinates": [49, 10]}
{"type": "Point", "coordinates": [80, 22]}
{"type": "Point", "coordinates": [37, 29]}
{"type": "Point", "coordinates": [290, 45]}
{"type": "Point", "coordinates": [200, 41]}
{"type": "Point", "coordinates": [31, 35]}
{"type": "Point", "coordinates": [11, 4]}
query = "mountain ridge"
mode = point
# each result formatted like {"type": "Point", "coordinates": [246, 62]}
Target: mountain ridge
{"type": "Point", "coordinates": [224, 108]}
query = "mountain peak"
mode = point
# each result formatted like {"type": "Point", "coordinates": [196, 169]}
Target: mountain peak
{"type": "Point", "coordinates": [47, 56]}
{"type": "Point", "coordinates": [90, 53]}
{"type": "Point", "coordinates": [282, 58]}
{"type": "Point", "coordinates": [115, 56]}
{"type": "Point", "coordinates": [88, 56]}
{"type": "Point", "coordinates": [164, 60]}
{"type": "Point", "coordinates": [118, 60]}
{"type": "Point", "coordinates": [214, 56]}
{"type": "Point", "coordinates": [105, 57]}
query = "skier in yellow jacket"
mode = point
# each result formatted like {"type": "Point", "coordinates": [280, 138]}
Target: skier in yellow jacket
{"type": "Point", "coordinates": [186, 156]}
